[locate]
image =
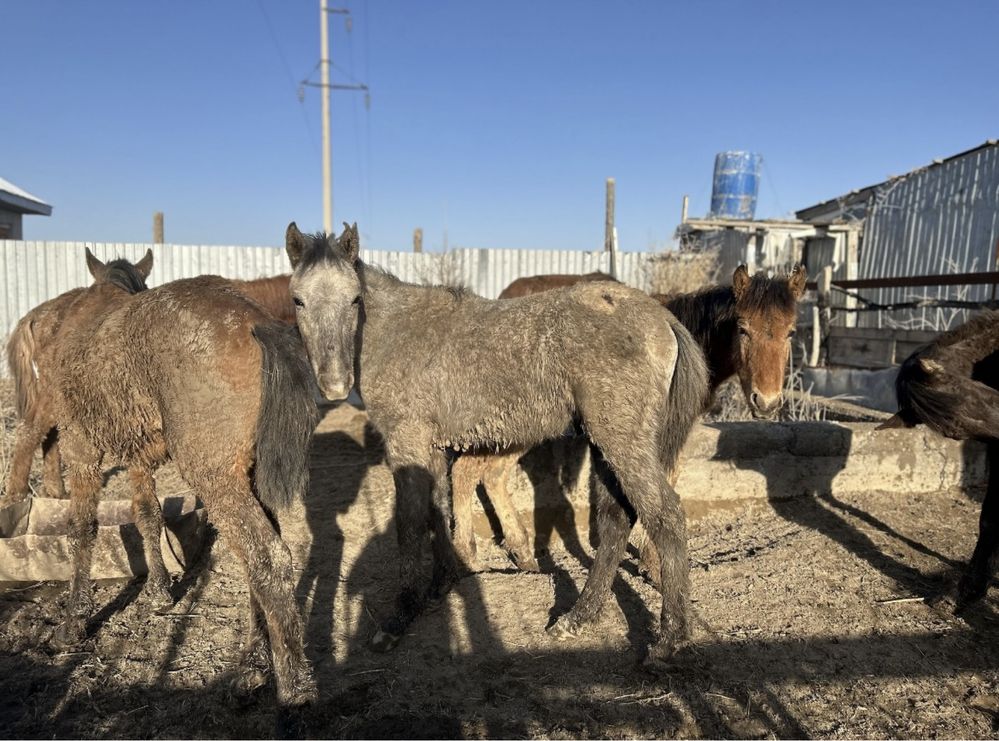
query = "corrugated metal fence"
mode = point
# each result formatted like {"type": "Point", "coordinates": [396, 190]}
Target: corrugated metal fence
{"type": "Point", "coordinates": [33, 272]}
{"type": "Point", "coordinates": [941, 219]}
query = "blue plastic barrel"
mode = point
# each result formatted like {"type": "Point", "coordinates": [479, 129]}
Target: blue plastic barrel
{"type": "Point", "coordinates": [736, 185]}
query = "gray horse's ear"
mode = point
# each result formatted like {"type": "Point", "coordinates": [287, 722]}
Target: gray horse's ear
{"type": "Point", "coordinates": [294, 244]}
{"type": "Point", "coordinates": [797, 280]}
{"type": "Point", "coordinates": [350, 242]}
{"type": "Point", "coordinates": [145, 265]}
{"type": "Point", "coordinates": [740, 282]}
{"type": "Point", "coordinates": [95, 266]}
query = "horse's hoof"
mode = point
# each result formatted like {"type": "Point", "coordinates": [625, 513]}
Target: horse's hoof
{"type": "Point", "coordinates": [68, 635]}
{"type": "Point", "coordinates": [157, 597]}
{"type": "Point", "coordinates": [563, 629]}
{"type": "Point", "coordinates": [383, 641]}
{"type": "Point", "coordinates": [525, 562]}
{"type": "Point", "coordinates": [666, 656]}
{"type": "Point", "coordinates": [303, 690]}
{"type": "Point", "coordinates": [969, 590]}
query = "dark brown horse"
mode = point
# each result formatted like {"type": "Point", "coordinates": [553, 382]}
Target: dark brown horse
{"type": "Point", "coordinates": [30, 372]}
{"type": "Point", "coordinates": [195, 373]}
{"type": "Point", "coordinates": [743, 330]}
{"type": "Point", "coordinates": [952, 386]}
{"type": "Point", "coordinates": [538, 283]}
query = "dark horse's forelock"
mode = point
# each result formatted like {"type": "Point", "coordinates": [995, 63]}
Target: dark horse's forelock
{"type": "Point", "coordinates": [762, 293]}
{"type": "Point", "coordinates": [125, 275]}
{"type": "Point", "coordinates": [321, 248]}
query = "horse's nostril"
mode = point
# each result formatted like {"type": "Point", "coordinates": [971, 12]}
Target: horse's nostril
{"type": "Point", "coordinates": [755, 399]}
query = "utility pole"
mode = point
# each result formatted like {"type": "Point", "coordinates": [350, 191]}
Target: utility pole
{"type": "Point", "coordinates": [324, 77]}
{"type": "Point", "coordinates": [324, 84]}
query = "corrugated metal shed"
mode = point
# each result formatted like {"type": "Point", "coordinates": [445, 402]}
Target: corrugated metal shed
{"type": "Point", "coordinates": [33, 272]}
{"type": "Point", "coordinates": [943, 218]}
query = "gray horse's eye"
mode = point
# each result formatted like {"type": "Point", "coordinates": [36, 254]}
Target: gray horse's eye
{"type": "Point", "coordinates": [298, 302]}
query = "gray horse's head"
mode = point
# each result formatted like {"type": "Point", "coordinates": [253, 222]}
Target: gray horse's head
{"type": "Point", "coordinates": [328, 294]}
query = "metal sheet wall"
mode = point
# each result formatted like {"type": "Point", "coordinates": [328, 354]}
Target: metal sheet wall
{"type": "Point", "coordinates": [33, 272]}
{"type": "Point", "coordinates": [942, 219]}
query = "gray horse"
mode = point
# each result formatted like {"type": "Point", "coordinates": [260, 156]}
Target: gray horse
{"type": "Point", "coordinates": [444, 369]}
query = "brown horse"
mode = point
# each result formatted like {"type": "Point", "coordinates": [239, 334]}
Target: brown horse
{"type": "Point", "coordinates": [743, 330]}
{"type": "Point", "coordinates": [192, 372]}
{"type": "Point", "coordinates": [271, 294]}
{"type": "Point", "coordinates": [25, 358]}
{"type": "Point", "coordinates": [538, 283]}
{"type": "Point", "coordinates": [952, 386]}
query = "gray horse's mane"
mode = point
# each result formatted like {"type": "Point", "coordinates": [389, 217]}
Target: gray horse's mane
{"type": "Point", "coordinates": [324, 249]}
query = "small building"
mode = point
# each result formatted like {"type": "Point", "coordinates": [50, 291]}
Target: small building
{"type": "Point", "coordinates": [14, 204]}
{"type": "Point", "coordinates": [938, 219]}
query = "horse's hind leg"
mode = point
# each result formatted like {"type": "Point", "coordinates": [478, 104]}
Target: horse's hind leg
{"type": "Point", "coordinates": [28, 437]}
{"type": "Point", "coordinates": [52, 482]}
{"type": "Point", "coordinates": [245, 527]}
{"type": "Point", "coordinates": [148, 518]}
{"type": "Point", "coordinates": [515, 539]}
{"type": "Point", "coordinates": [614, 523]}
{"type": "Point", "coordinates": [665, 524]}
{"type": "Point", "coordinates": [975, 581]}
{"type": "Point", "coordinates": [85, 483]}
{"type": "Point", "coordinates": [254, 660]}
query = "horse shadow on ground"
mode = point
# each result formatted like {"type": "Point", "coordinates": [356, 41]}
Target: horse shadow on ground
{"type": "Point", "coordinates": [339, 464]}
{"type": "Point", "coordinates": [800, 489]}
{"type": "Point", "coordinates": [560, 480]}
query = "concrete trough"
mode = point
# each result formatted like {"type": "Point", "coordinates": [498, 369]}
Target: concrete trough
{"type": "Point", "coordinates": [730, 464]}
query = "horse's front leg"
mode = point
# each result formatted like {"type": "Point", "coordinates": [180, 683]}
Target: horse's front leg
{"type": "Point", "coordinates": [446, 561]}
{"type": "Point", "coordinates": [414, 485]}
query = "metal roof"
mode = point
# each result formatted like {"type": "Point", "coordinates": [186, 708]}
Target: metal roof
{"type": "Point", "coordinates": [860, 195]}
{"type": "Point", "coordinates": [13, 198]}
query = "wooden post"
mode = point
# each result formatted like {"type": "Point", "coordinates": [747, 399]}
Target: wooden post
{"type": "Point", "coordinates": [157, 227]}
{"type": "Point", "coordinates": [609, 225]}
{"type": "Point", "coordinates": [417, 240]}
{"type": "Point", "coordinates": [683, 209]}
{"type": "Point", "coordinates": [822, 314]}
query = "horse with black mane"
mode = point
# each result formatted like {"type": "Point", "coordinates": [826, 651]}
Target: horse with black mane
{"type": "Point", "coordinates": [952, 386]}
{"type": "Point", "coordinates": [443, 369]}
{"type": "Point", "coordinates": [30, 373]}
{"type": "Point", "coordinates": [195, 373]}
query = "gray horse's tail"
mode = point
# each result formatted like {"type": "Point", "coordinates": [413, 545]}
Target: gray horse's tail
{"type": "Point", "coordinates": [288, 417]}
{"type": "Point", "coordinates": [21, 361]}
{"type": "Point", "coordinates": [687, 395]}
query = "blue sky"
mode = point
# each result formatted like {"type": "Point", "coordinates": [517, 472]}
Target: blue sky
{"type": "Point", "coordinates": [496, 122]}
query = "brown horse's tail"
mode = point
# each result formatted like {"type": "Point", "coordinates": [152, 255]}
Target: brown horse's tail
{"type": "Point", "coordinates": [687, 395]}
{"type": "Point", "coordinates": [288, 417]}
{"type": "Point", "coordinates": [21, 361]}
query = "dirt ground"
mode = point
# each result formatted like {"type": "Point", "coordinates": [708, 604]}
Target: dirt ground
{"type": "Point", "coordinates": [808, 621]}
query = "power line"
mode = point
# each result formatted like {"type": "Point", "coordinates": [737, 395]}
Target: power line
{"type": "Point", "coordinates": [291, 77]}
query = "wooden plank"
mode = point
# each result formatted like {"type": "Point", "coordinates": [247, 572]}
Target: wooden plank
{"type": "Point", "coordinates": [861, 352]}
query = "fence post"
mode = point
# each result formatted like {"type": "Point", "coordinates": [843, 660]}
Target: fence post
{"type": "Point", "coordinates": [821, 315]}
{"type": "Point", "coordinates": [417, 240]}
{"type": "Point", "coordinates": [157, 227]}
{"type": "Point", "coordinates": [609, 225]}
